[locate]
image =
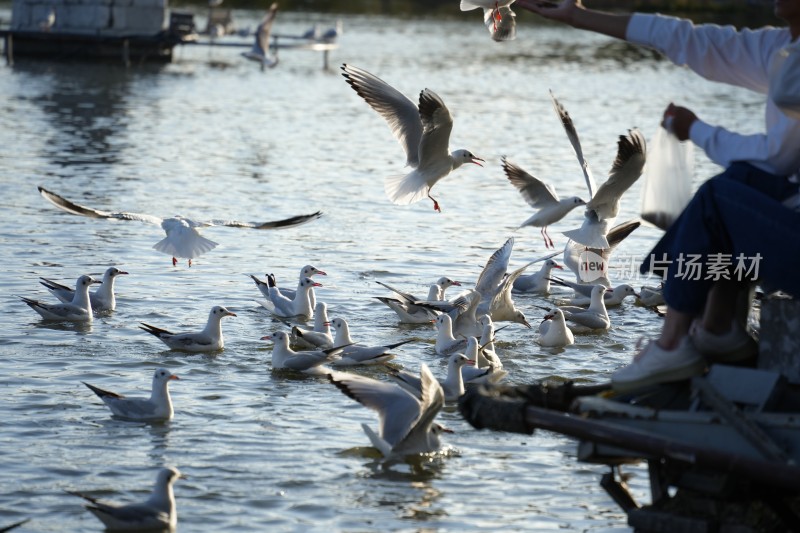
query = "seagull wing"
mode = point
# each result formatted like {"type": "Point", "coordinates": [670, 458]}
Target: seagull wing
{"type": "Point", "coordinates": [537, 193]}
{"type": "Point", "coordinates": [75, 209]}
{"type": "Point", "coordinates": [399, 112]}
{"type": "Point", "coordinates": [437, 123]}
{"type": "Point", "coordinates": [265, 28]}
{"type": "Point", "coordinates": [572, 135]}
{"type": "Point", "coordinates": [627, 167]}
{"type": "Point", "coordinates": [494, 271]}
{"type": "Point", "coordinates": [274, 224]}
{"type": "Point", "coordinates": [397, 409]}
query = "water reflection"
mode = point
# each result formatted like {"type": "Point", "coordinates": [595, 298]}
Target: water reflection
{"type": "Point", "coordinates": [85, 104]}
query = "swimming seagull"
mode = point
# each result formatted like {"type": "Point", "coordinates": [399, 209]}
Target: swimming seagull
{"type": "Point", "coordinates": [183, 239]}
{"type": "Point", "coordinates": [208, 340]}
{"type": "Point", "coordinates": [595, 317]}
{"type": "Point", "coordinates": [359, 354]}
{"type": "Point", "coordinates": [283, 357]}
{"type": "Point", "coordinates": [538, 282]}
{"type": "Point", "coordinates": [583, 293]}
{"type": "Point", "coordinates": [494, 285]}
{"type": "Point", "coordinates": [554, 332]}
{"type": "Point", "coordinates": [423, 131]}
{"type": "Point", "coordinates": [413, 310]}
{"type": "Point", "coordinates": [446, 344]}
{"type": "Point", "coordinates": [78, 310]}
{"type": "Point", "coordinates": [157, 513]}
{"type": "Point", "coordinates": [158, 407]}
{"type": "Point", "coordinates": [102, 299]}
{"type": "Point", "coordinates": [306, 272]}
{"type": "Point", "coordinates": [299, 306]}
{"type": "Point", "coordinates": [260, 50]}
{"type": "Point", "coordinates": [497, 16]}
{"type": "Point", "coordinates": [407, 424]}
{"type": "Point", "coordinates": [320, 336]}
{"type": "Point", "coordinates": [542, 197]}
{"type": "Point", "coordinates": [452, 384]}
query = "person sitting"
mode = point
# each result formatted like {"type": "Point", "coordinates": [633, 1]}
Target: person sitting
{"type": "Point", "coordinates": [740, 225]}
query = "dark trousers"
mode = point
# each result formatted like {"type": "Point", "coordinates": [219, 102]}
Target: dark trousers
{"type": "Point", "coordinates": [735, 227]}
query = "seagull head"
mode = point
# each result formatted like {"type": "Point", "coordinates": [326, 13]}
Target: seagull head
{"type": "Point", "coordinates": [461, 157]}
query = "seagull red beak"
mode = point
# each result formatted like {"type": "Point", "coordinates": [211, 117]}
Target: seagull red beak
{"type": "Point", "coordinates": [321, 273]}
{"type": "Point", "coordinates": [475, 160]}
{"type": "Point", "coordinates": [558, 267]}
{"type": "Point", "coordinates": [173, 376]}
{"type": "Point", "coordinates": [317, 284]}
{"type": "Point", "coordinates": [457, 283]}
{"type": "Point", "coordinates": [266, 338]}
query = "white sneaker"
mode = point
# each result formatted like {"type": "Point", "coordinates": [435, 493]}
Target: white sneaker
{"type": "Point", "coordinates": [654, 365]}
{"type": "Point", "coordinates": [735, 345]}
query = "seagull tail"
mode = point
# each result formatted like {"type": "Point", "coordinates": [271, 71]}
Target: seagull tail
{"type": "Point", "coordinates": [187, 247]}
{"type": "Point", "coordinates": [405, 189]}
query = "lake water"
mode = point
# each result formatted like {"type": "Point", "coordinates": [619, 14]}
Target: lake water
{"type": "Point", "coordinates": [210, 136]}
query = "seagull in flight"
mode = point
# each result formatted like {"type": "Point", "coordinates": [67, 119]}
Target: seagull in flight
{"type": "Point", "coordinates": [497, 16]}
{"type": "Point", "coordinates": [542, 197]}
{"type": "Point", "coordinates": [182, 240]}
{"type": "Point", "coordinates": [260, 50]}
{"type": "Point", "coordinates": [423, 131]}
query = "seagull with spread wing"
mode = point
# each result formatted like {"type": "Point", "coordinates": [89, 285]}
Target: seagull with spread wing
{"type": "Point", "coordinates": [423, 131]}
{"type": "Point", "coordinates": [260, 51]}
{"type": "Point", "coordinates": [182, 240]}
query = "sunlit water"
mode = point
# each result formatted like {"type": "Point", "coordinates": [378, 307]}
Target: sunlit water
{"type": "Point", "coordinates": [210, 136]}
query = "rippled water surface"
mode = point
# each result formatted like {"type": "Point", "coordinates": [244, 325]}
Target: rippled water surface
{"type": "Point", "coordinates": [210, 136]}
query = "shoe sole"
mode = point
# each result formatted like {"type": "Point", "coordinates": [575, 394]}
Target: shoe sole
{"type": "Point", "coordinates": [665, 376]}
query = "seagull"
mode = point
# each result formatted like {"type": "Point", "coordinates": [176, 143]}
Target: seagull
{"type": "Point", "coordinates": [407, 424]}
{"type": "Point", "coordinates": [553, 332]}
{"type": "Point", "coordinates": [576, 255]}
{"type": "Point", "coordinates": [484, 371]}
{"type": "Point", "coordinates": [320, 336]}
{"type": "Point", "coordinates": [538, 282]}
{"type": "Point", "coordinates": [102, 299]}
{"type": "Point", "coordinates": [157, 513]}
{"type": "Point", "coordinates": [651, 296]}
{"type": "Point", "coordinates": [497, 15]}
{"type": "Point", "coordinates": [306, 272]}
{"type": "Point", "coordinates": [359, 354]}
{"type": "Point", "coordinates": [299, 306]}
{"type": "Point", "coordinates": [593, 318]}
{"type": "Point", "coordinates": [452, 385]}
{"type": "Point", "coordinates": [333, 33]}
{"type": "Point", "coordinates": [208, 340]}
{"type": "Point", "coordinates": [446, 344]}
{"type": "Point", "coordinates": [423, 132]}
{"type": "Point", "coordinates": [283, 357]}
{"type": "Point", "coordinates": [542, 197]}
{"type": "Point", "coordinates": [78, 310]}
{"type": "Point", "coordinates": [583, 293]}
{"type": "Point", "coordinates": [183, 239]}
{"type": "Point", "coordinates": [260, 50]}
{"type": "Point", "coordinates": [413, 310]}
{"type": "Point", "coordinates": [158, 407]}
{"type": "Point", "coordinates": [495, 286]}
{"type": "Point", "coordinates": [604, 205]}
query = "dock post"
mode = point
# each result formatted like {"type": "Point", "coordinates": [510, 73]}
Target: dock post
{"type": "Point", "coordinates": [325, 59]}
{"type": "Point", "coordinates": [9, 49]}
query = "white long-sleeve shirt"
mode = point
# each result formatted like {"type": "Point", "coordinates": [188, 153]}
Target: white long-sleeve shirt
{"type": "Point", "coordinates": [736, 57]}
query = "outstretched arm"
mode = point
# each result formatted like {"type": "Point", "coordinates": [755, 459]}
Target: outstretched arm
{"type": "Point", "coordinates": [573, 13]}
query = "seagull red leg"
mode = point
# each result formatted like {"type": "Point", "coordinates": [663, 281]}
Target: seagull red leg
{"type": "Point", "coordinates": [174, 261]}
{"type": "Point", "coordinates": [549, 240]}
{"type": "Point", "coordinates": [435, 203]}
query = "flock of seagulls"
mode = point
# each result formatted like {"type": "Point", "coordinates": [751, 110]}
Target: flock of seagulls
{"type": "Point", "coordinates": [406, 403]}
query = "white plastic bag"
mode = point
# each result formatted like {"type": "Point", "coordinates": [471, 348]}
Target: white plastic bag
{"type": "Point", "coordinates": [667, 184]}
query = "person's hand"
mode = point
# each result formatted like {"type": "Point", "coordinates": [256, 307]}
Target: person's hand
{"type": "Point", "coordinates": [678, 120]}
{"type": "Point", "coordinates": [560, 11]}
